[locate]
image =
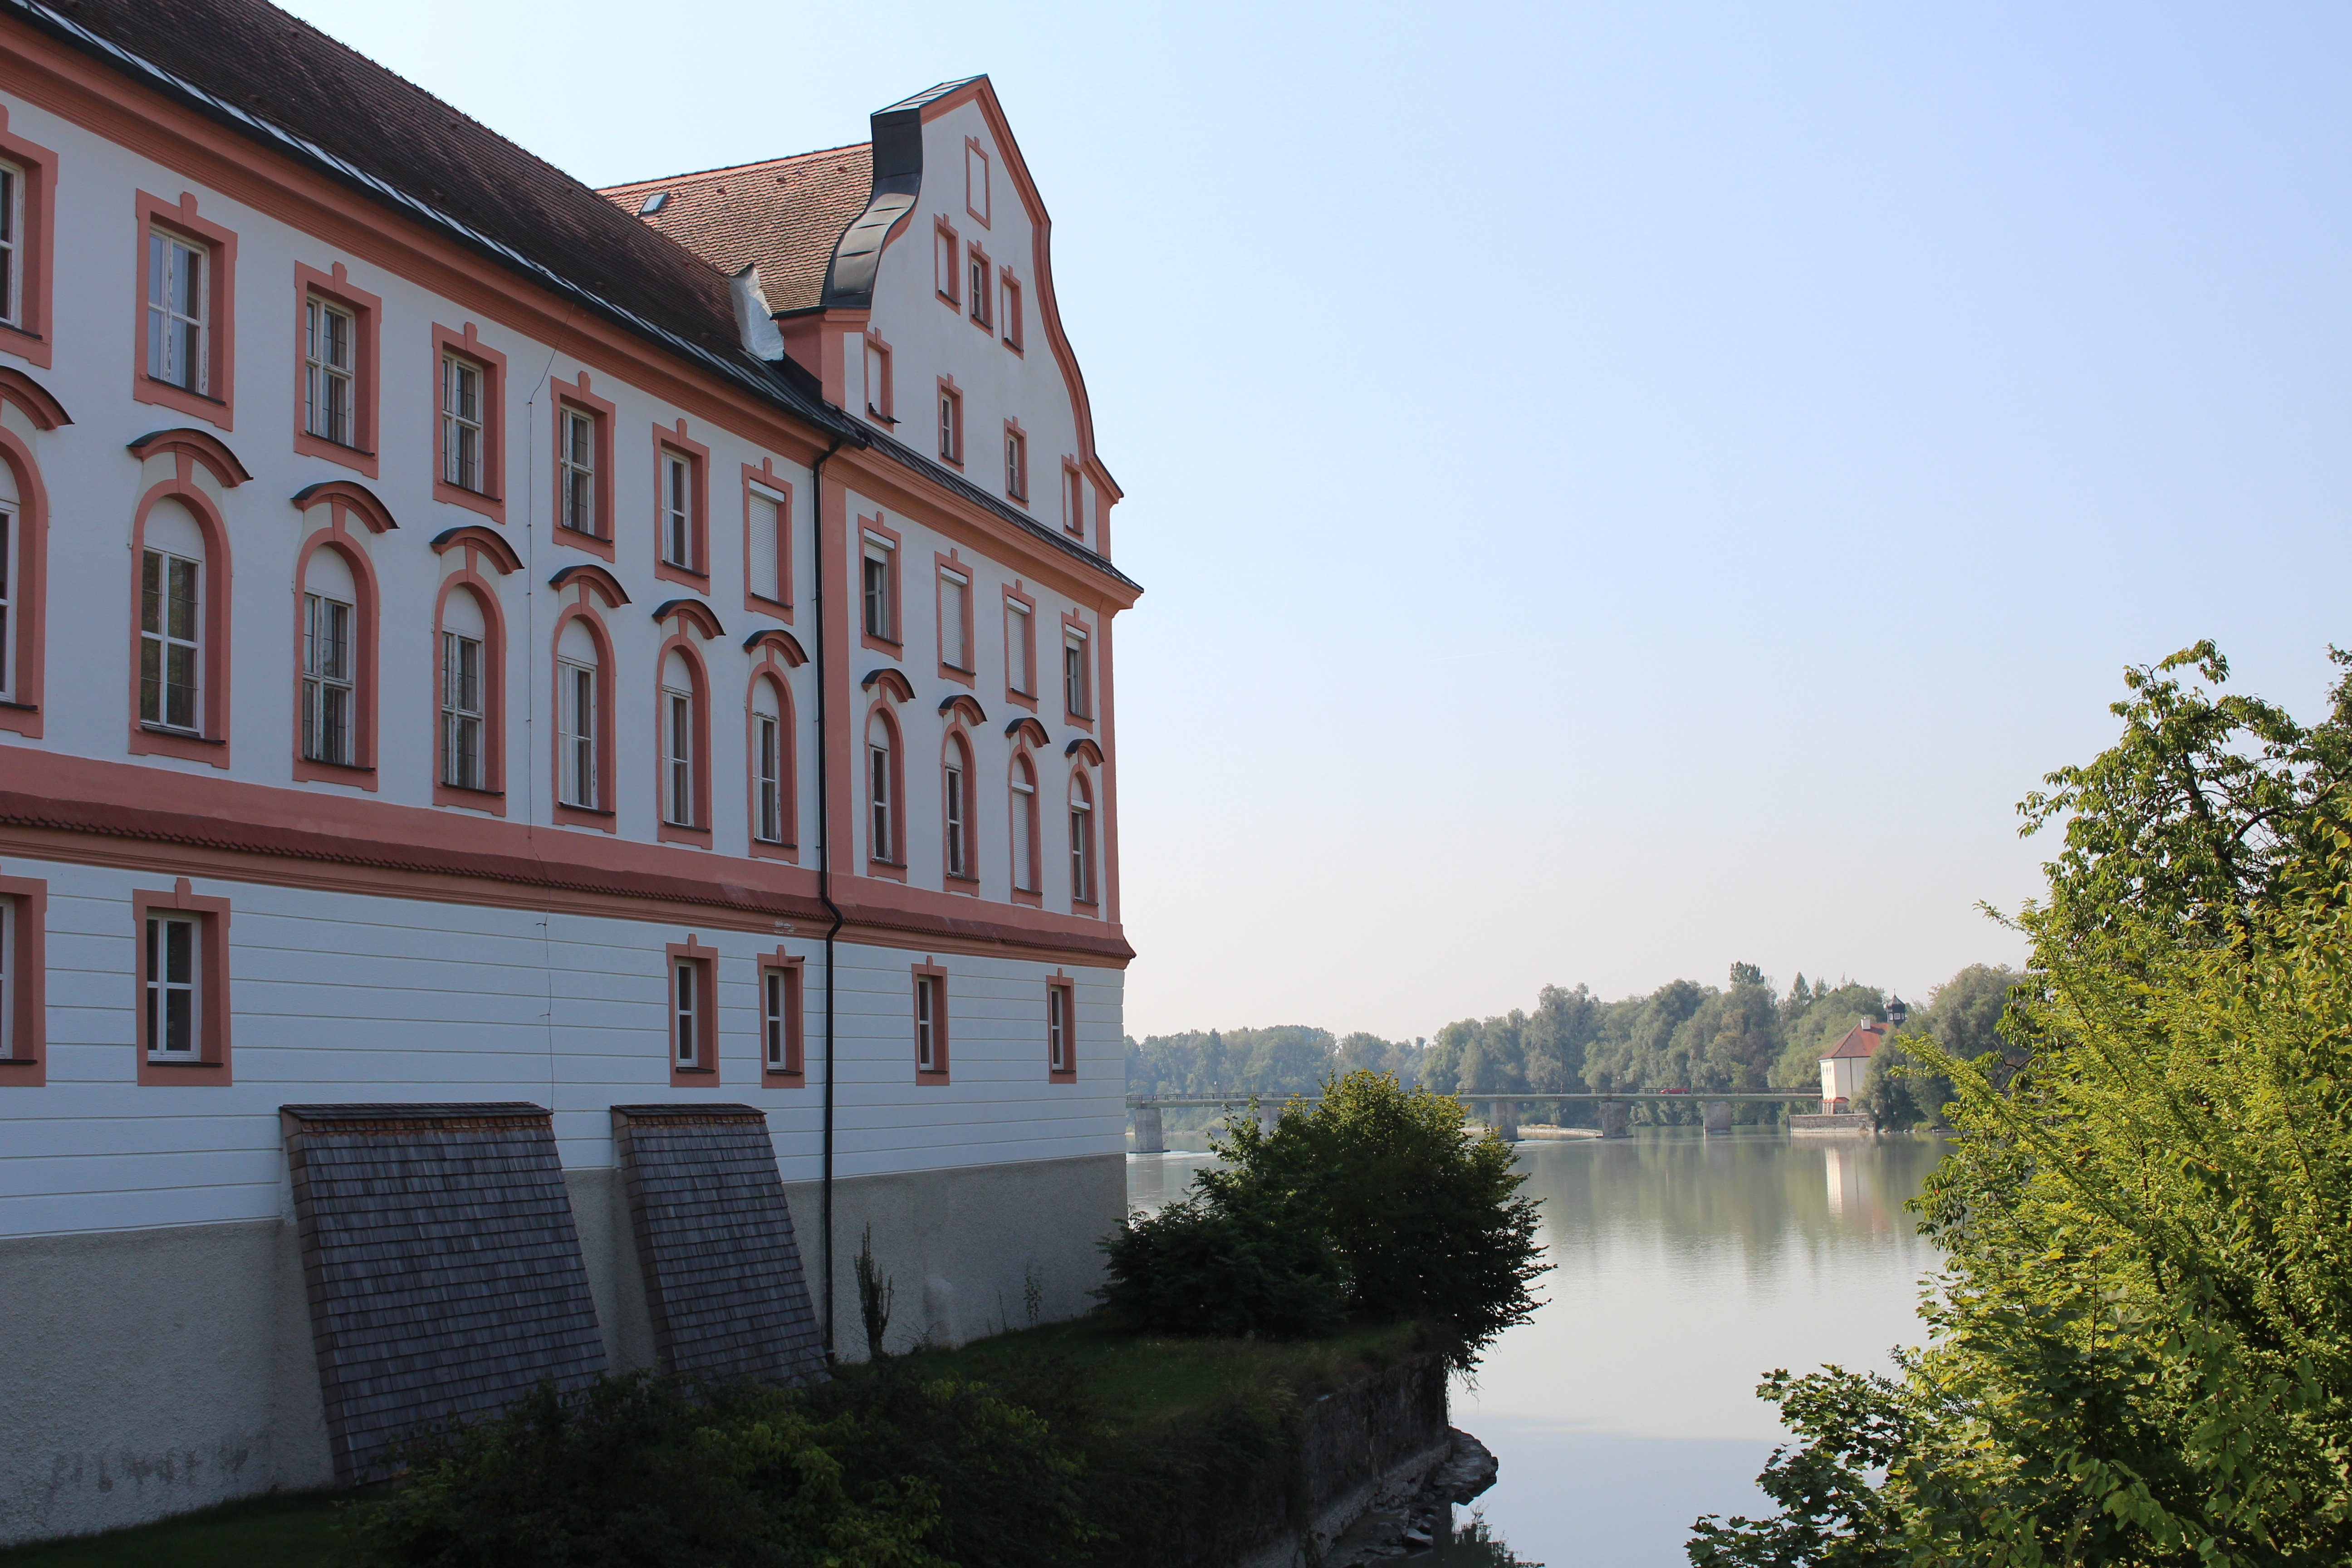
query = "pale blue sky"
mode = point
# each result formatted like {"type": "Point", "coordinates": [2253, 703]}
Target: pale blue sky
{"type": "Point", "coordinates": [1619, 489]}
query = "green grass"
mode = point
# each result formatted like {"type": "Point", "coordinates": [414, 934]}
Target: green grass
{"type": "Point", "coordinates": [292, 1530]}
{"type": "Point", "coordinates": [1140, 1380]}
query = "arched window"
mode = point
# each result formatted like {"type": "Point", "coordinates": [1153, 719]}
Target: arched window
{"type": "Point", "coordinates": [1082, 840]}
{"type": "Point", "coordinates": [955, 800]}
{"type": "Point", "coordinates": [171, 610]}
{"type": "Point", "coordinates": [882, 773]}
{"type": "Point", "coordinates": [331, 601]}
{"type": "Point", "coordinates": [465, 692]}
{"type": "Point", "coordinates": [770, 764]}
{"type": "Point", "coordinates": [579, 717]}
{"type": "Point", "coordinates": [681, 731]}
{"type": "Point", "coordinates": [1024, 825]}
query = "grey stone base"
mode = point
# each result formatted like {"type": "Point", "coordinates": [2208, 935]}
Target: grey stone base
{"type": "Point", "coordinates": [150, 1373]}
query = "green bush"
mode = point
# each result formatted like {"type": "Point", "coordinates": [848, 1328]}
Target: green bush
{"type": "Point", "coordinates": [1230, 1271]}
{"type": "Point", "coordinates": [1376, 1203]}
{"type": "Point", "coordinates": [635, 1472]}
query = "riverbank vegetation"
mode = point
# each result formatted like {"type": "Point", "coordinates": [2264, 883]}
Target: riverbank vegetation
{"type": "Point", "coordinates": [1374, 1205]}
{"type": "Point", "coordinates": [2140, 1345]}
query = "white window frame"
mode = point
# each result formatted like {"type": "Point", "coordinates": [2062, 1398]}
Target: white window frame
{"type": "Point", "coordinates": [465, 435]}
{"type": "Point", "coordinates": [955, 783]}
{"type": "Point", "coordinates": [179, 303]}
{"type": "Point", "coordinates": [162, 987]}
{"type": "Point", "coordinates": [12, 243]}
{"type": "Point", "coordinates": [331, 371]}
{"type": "Point", "coordinates": [874, 586]}
{"type": "Point", "coordinates": [1057, 1029]}
{"type": "Point", "coordinates": [8, 977]}
{"type": "Point", "coordinates": [575, 465]}
{"type": "Point", "coordinates": [775, 1017]}
{"type": "Point", "coordinates": [577, 784]}
{"type": "Point", "coordinates": [955, 588]}
{"type": "Point", "coordinates": [1082, 845]}
{"type": "Point", "coordinates": [464, 716]}
{"type": "Point", "coordinates": [927, 1024]}
{"type": "Point", "coordinates": [687, 1003]}
{"type": "Point", "coordinates": [10, 577]}
{"type": "Point", "coordinates": [1077, 694]}
{"type": "Point", "coordinates": [950, 426]}
{"type": "Point", "coordinates": [677, 510]}
{"type": "Point", "coordinates": [877, 382]}
{"type": "Point", "coordinates": [330, 691]}
{"type": "Point", "coordinates": [1025, 827]}
{"type": "Point", "coordinates": [677, 757]}
{"type": "Point", "coordinates": [1021, 648]}
{"type": "Point", "coordinates": [160, 637]}
{"type": "Point", "coordinates": [881, 819]}
{"type": "Point", "coordinates": [1016, 465]}
{"type": "Point", "coordinates": [778, 506]}
{"type": "Point", "coordinates": [768, 778]}
{"type": "Point", "coordinates": [975, 271]}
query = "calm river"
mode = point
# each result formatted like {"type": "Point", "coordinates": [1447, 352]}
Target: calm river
{"type": "Point", "coordinates": [1684, 1269]}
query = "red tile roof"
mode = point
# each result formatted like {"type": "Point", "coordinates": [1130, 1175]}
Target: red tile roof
{"type": "Point", "coordinates": [785, 215]}
{"type": "Point", "coordinates": [1864, 1039]}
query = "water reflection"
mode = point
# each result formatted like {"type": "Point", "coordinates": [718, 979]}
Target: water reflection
{"type": "Point", "coordinates": [1684, 1269]}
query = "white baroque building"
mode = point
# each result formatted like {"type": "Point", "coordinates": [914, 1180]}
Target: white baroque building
{"type": "Point", "coordinates": [469, 637]}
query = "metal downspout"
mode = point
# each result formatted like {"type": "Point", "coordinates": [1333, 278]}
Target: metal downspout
{"type": "Point", "coordinates": [824, 875]}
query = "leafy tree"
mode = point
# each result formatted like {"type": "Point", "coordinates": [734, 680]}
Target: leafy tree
{"type": "Point", "coordinates": [1963, 1017]}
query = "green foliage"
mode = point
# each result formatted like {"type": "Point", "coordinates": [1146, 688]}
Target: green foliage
{"type": "Point", "coordinates": [1272, 1063]}
{"type": "Point", "coordinates": [1418, 1220]}
{"type": "Point", "coordinates": [1226, 1268]}
{"type": "Point", "coordinates": [1963, 1018]}
{"type": "Point", "coordinates": [2141, 1347]}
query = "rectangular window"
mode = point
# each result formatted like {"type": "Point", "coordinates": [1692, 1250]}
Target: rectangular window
{"type": "Point", "coordinates": [779, 1018]}
{"type": "Point", "coordinates": [677, 511]}
{"type": "Point", "coordinates": [943, 250]}
{"type": "Point", "coordinates": [877, 382]}
{"type": "Point", "coordinates": [330, 404]}
{"type": "Point", "coordinates": [576, 471]}
{"type": "Point", "coordinates": [1057, 1028]}
{"type": "Point", "coordinates": [461, 424]}
{"type": "Point", "coordinates": [958, 857]}
{"type": "Point", "coordinates": [950, 425]}
{"type": "Point", "coordinates": [12, 245]}
{"type": "Point", "coordinates": [1012, 312]}
{"type": "Point", "coordinates": [1024, 831]}
{"type": "Point", "coordinates": [955, 596]}
{"type": "Point", "coordinates": [876, 585]}
{"type": "Point", "coordinates": [1074, 675]}
{"type": "Point", "coordinates": [178, 351]}
{"type": "Point", "coordinates": [688, 1012]}
{"type": "Point", "coordinates": [168, 587]}
{"type": "Point", "coordinates": [327, 703]}
{"type": "Point", "coordinates": [764, 518]}
{"type": "Point", "coordinates": [878, 769]}
{"type": "Point", "coordinates": [767, 778]}
{"type": "Point", "coordinates": [976, 275]}
{"type": "Point", "coordinates": [576, 735]}
{"type": "Point", "coordinates": [173, 962]}
{"type": "Point", "coordinates": [928, 1020]}
{"type": "Point", "coordinates": [1016, 464]}
{"type": "Point", "coordinates": [678, 770]}
{"type": "Point", "coordinates": [1073, 501]}
{"type": "Point", "coordinates": [8, 979]}
{"type": "Point", "coordinates": [1020, 648]}
{"type": "Point", "coordinates": [462, 759]}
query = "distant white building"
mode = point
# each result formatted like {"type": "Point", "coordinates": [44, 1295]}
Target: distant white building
{"type": "Point", "coordinates": [1848, 1063]}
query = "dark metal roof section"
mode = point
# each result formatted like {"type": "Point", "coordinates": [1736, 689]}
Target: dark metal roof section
{"type": "Point", "coordinates": [714, 1243]}
{"type": "Point", "coordinates": [278, 81]}
{"type": "Point", "coordinates": [443, 1272]}
{"type": "Point", "coordinates": [897, 178]}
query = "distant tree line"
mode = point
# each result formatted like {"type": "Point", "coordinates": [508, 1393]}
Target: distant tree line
{"type": "Point", "coordinates": [1744, 1034]}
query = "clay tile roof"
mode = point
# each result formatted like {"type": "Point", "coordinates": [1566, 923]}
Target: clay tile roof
{"type": "Point", "coordinates": [232, 59]}
{"type": "Point", "coordinates": [1861, 1041]}
{"type": "Point", "coordinates": [785, 215]}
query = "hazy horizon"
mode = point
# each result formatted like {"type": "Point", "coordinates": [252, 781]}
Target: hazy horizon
{"type": "Point", "coordinates": [1618, 490]}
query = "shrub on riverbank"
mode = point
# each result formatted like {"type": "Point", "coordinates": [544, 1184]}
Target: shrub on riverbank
{"type": "Point", "coordinates": [1376, 1204]}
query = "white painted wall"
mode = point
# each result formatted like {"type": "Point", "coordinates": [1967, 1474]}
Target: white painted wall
{"type": "Point", "coordinates": [342, 998]}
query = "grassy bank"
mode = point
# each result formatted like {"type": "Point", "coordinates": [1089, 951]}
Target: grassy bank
{"type": "Point", "coordinates": [1134, 1385]}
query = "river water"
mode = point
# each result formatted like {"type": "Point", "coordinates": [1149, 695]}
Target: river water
{"type": "Point", "coordinates": [1684, 1269]}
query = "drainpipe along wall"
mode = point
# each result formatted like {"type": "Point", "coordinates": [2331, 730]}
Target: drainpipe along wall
{"type": "Point", "coordinates": [824, 877]}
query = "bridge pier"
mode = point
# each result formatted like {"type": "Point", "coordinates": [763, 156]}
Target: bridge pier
{"type": "Point", "coordinates": [1269, 1116]}
{"type": "Point", "coordinates": [1502, 1116]}
{"type": "Point", "coordinates": [1718, 1118]}
{"type": "Point", "coordinates": [1616, 1119]}
{"type": "Point", "coordinates": [1148, 1137]}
